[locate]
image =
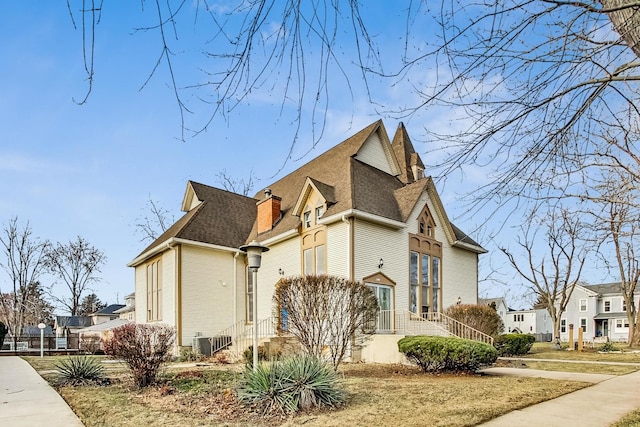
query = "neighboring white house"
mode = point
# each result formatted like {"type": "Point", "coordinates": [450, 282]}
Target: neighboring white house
{"type": "Point", "coordinates": [363, 210]}
{"type": "Point", "coordinates": [533, 321]}
{"type": "Point", "coordinates": [128, 312]}
{"type": "Point", "coordinates": [500, 305]}
{"type": "Point", "coordinates": [599, 309]}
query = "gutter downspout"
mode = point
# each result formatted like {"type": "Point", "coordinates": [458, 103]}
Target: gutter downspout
{"type": "Point", "coordinates": [178, 298]}
{"type": "Point", "coordinates": [235, 287]}
{"type": "Point", "coordinates": [349, 221]}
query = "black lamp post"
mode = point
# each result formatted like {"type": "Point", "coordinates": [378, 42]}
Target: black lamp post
{"type": "Point", "coordinates": [254, 259]}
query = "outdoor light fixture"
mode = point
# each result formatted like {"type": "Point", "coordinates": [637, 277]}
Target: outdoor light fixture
{"type": "Point", "coordinates": [380, 264]}
{"type": "Point", "coordinates": [42, 326]}
{"type": "Point", "coordinates": [254, 259]}
{"type": "Point", "coordinates": [459, 301]}
{"type": "Point", "coordinates": [281, 272]}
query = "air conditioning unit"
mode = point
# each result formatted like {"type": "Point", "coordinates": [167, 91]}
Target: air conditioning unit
{"type": "Point", "coordinates": [194, 341]}
{"type": "Point", "coordinates": [203, 345]}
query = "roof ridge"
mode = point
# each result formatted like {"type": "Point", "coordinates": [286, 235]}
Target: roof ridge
{"type": "Point", "coordinates": [362, 133]}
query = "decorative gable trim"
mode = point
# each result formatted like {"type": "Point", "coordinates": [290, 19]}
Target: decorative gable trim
{"type": "Point", "coordinates": [308, 187]}
{"type": "Point", "coordinates": [190, 199]}
{"type": "Point", "coordinates": [379, 279]}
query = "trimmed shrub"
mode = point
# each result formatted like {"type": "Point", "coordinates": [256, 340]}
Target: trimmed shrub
{"type": "Point", "coordinates": [514, 344]}
{"type": "Point", "coordinates": [144, 348]}
{"type": "Point", "coordinates": [608, 347]}
{"type": "Point", "coordinates": [80, 370]}
{"type": "Point", "coordinates": [187, 354]}
{"type": "Point", "coordinates": [437, 354]}
{"type": "Point", "coordinates": [247, 355]}
{"type": "Point", "coordinates": [291, 385]}
{"type": "Point", "coordinates": [480, 317]}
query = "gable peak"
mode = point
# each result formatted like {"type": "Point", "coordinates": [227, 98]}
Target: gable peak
{"type": "Point", "coordinates": [411, 166]}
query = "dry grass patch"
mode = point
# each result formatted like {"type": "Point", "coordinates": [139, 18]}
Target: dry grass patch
{"type": "Point", "coordinates": [378, 395]}
{"type": "Point", "coordinates": [544, 351]}
{"type": "Point", "coordinates": [398, 395]}
{"type": "Point", "coordinates": [632, 419]}
{"type": "Point", "coordinates": [585, 368]}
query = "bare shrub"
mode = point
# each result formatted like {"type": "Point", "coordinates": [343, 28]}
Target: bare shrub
{"type": "Point", "coordinates": [480, 317]}
{"type": "Point", "coordinates": [327, 314]}
{"type": "Point", "coordinates": [143, 347]}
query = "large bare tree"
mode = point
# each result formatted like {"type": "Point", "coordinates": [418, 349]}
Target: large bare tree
{"type": "Point", "coordinates": [23, 259]}
{"type": "Point", "coordinates": [552, 254]}
{"type": "Point", "coordinates": [514, 77]}
{"type": "Point", "coordinates": [616, 218]}
{"type": "Point", "coordinates": [77, 264]}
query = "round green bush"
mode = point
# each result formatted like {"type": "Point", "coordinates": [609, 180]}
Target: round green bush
{"type": "Point", "coordinates": [514, 344]}
{"type": "Point", "coordinates": [436, 354]}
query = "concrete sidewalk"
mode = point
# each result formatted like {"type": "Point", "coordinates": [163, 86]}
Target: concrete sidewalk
{"type": "Point", "coordinates": [599, 405]}
{"type": "Point", "coordinates": [27, 400]}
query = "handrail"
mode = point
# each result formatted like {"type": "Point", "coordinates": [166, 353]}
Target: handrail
{"type": "Point", "coordinates": [459, 329]}
{"type": "Point", "coordinates": [231, 331]}
{"type": "Point", "coordinates": [409, 323]}
{"type": "Point", "coordinates": [244, 339]}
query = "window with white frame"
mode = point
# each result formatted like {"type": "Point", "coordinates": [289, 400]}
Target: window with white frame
{"type": "Point", "coordinates": [306, 219]}
{"type": "Point", "coordinates": [563, 325]}
{"type": "Point", "coordinates": [583, 304]}
{"type": "Point", "coordinates": [607, 306]}
{"type": "Point", "coordinates": [622, 325]}
{"type": "Point", "coordinates": [583, 324]}
{"type": "Point", "coordinates": [624, 304]}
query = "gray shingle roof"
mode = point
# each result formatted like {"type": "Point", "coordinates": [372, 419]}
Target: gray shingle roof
{"type": "Point", "coordinates": [229, 220]}
{"type": "Point", "coordinates": [605, 288]}
{"type": "Point", "coordinates": [223, 218]}
{"type": "Point", "coordinates": [110, 309]}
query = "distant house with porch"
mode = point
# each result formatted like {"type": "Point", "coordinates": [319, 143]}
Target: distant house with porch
{"type": "Point", "coordinates": [600, 310]}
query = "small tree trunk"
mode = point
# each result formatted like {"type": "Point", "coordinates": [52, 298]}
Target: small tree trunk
{"type": "Point", "coordinates": [556, 330]}
{"type": "Point", "coordinates": [634, 331]}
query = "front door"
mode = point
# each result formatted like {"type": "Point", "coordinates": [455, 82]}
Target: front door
{"type": "Point", "coordinates": [384, 295]}
{"type": "Point", "coordinates": [605, 328]}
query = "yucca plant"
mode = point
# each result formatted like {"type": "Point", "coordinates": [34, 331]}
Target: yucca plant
{"type": "Point", "coordinates": [77, 370]}
{"type": "Point", "coordinates": [290, 385]}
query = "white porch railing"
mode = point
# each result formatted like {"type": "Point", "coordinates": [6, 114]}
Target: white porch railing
{"type": "Point", "coordinates": [239, 337]}
{"type": "Point", "coordinates": [436, 324]}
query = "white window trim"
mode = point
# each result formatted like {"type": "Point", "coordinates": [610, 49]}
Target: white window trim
{"type": "Point", "coordinates": [586, 326]}
{"type": "Point", "coordinates": [621, 329]}
{"type": "Point", "coordinates": [604, 305]}
{"type": "Point", "coordinates": [586, 305]}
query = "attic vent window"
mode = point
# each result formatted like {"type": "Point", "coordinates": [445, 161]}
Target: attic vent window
{"type": "Point", "coordinates": [319, 213]}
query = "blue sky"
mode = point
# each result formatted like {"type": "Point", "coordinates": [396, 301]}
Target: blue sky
{"type": "Point", "coordinates": [89, 169]}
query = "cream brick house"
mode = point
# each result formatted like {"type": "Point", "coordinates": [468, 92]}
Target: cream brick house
{"type": "Point", "coordinates": [362, 210]}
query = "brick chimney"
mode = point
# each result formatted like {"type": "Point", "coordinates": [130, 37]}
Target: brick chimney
{"type": "Point", "coordinates": [268, 211]}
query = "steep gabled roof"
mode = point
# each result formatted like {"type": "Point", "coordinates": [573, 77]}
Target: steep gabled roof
{"type": "Point", "coordinates": [362, 174]}
{"type": "Point", "coordinates": [333, 168]}
{"type": "Point", "coordinates": [223, 218]}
